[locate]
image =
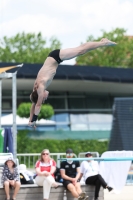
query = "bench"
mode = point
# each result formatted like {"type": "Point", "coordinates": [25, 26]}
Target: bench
{"type": "Point", "coordinates": [33, 192]}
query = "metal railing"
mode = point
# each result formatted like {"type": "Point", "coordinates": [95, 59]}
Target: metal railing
{"type": "Point", "coordinates": [29, 159]}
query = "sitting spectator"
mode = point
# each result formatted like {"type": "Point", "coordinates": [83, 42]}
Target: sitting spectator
{"type": "Point", "coordinates": [45, 169]}
{"type": "Point", "coordinates": [10, 178]}
{"type": "Point", "coordinates": [90, 171]}
{"type": "Point", "coordinates": [70, 172]}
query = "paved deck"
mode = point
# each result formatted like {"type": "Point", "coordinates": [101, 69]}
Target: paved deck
{"type": "Point", "coordinates": [126, 194]}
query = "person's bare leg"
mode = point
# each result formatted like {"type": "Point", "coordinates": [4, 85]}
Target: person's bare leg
{"type": "Point", "coordinates": [67, 54]}
{"type": "Point", "coordinates": [6, 186]}
{"type": "Point", "coordinates": [72, 189]}
{"type": "Point", "coordinates": [78, 188]}
{"type": "Point", "coordinates": [17, 187]}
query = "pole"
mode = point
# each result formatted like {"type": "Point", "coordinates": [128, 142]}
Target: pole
{"type": "Point", "coordinates": [99, 159]}
{"type": "Point", "coordinates": [14, 99]}
{"type": "Point", "coordinates": [5, 75]}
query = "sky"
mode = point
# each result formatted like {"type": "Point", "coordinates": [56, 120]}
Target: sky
{"type": "Point", "coordinates": [70, 21]}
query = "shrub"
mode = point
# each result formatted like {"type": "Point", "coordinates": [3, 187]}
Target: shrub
{"type": "Point", "coordinates": [28, 145]}
{"type": "Point", "coordinates": [46, 112]}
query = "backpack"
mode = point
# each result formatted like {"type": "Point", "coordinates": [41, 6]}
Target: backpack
{"type": "Point", "coordinates": [24, 181]}
{"type": "Point", "coordinates": [57, 175]}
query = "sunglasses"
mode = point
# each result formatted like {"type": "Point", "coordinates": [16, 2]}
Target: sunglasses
{"type": "Point", "coordinates": [69, 154]}
{"type": "Point", "coordinates": [45, 154]}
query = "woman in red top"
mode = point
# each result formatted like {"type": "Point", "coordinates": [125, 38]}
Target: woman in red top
{"type": "Point", "coordinates": [45, 169]}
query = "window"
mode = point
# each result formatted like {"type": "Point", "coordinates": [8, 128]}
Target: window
{"type": "Point", "coordinates": [62, 117]}
{"type": "Point", "coordinates": [57, 103]}
{"type": "Point", "coordinates": [76, 103]}
{"type": "Point", "coordinates": [79, 122]}
{"type": "Point", "coordinates": [6, 105]}
{"type": "Point", "coordinates": [98, 101]}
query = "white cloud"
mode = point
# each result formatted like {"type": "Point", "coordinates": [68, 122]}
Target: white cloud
{"type": "Point", "coordinates": [103, 15]}
{"type": "Point", "coordinates": [70, 21]}
{"type": "Point", "coordinates": [3, 4]}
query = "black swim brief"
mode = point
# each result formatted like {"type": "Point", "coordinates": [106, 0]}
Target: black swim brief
{"type": "Point", "coordinates": [55, 54]}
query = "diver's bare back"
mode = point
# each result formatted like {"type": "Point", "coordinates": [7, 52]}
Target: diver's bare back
{"type": "Point", "coordinates": [46, 73]}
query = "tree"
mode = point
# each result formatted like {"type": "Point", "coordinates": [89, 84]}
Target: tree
{"type": "Point", "coordinates": [27, 48]}
{"type": "Point", "coordinates": [118, 56]}
{"type": "Point", "coordinates": [46, 112]}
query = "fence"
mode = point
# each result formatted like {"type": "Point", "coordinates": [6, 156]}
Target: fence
{"type": "Point", "coordinates": [30, 159]}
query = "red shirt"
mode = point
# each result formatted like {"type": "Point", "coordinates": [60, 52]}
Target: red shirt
{"type": "Point", "coordinates": [45, 166]}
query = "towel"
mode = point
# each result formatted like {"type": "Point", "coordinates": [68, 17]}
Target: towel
{"type": "Point", "coordinates": [115, 172]}
{"type": "Point", "coordinates": [8, 141]}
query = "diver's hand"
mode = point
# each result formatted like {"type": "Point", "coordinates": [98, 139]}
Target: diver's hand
{"type": "Point", "coordinates": [32, 124]}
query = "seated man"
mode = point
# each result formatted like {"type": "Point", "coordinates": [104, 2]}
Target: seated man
{"type": "Point", "coordinates": [90, 171]}
{"type": "Point", "coordinates": [70, 172]}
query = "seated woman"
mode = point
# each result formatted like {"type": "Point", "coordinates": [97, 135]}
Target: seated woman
{"type": "Point", "coordinates": [45, 169]}
{"type": "Point", "coordinates": [10, 178]}
{"type": "Point", "coordinates": [90, 171]}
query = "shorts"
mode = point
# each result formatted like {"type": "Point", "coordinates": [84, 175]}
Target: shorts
{"type": "Point", "coordinates": [66, 182]}
{"type": "Point", "coordinates": [55, 54]}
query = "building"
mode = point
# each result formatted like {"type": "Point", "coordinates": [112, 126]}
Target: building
{"type": "Point", "coordinates": [76, 94]}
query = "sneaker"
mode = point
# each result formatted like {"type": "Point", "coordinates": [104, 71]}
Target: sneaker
{"type": "Point", "coordinates": [81, 196]}
{"type": "Point", "coordinates": [109, 188]}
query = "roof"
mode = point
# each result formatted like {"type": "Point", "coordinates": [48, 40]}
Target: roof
{"type": "Point", "coordinates": [76, 72]}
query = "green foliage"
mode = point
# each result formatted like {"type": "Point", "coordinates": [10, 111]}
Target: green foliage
{"type": "Point", "coordinates": [46, 112]}
{"type": "Point", "coordinates": [27, 145]}
{"type": "Point", "coordinates": [119, 56]}
{"type": "Point", "coordinates": [24, 110]}
{"type": "Point", "coordinates": [32, 48]}
{"type": "Point", "coordinates": [27, 48]}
